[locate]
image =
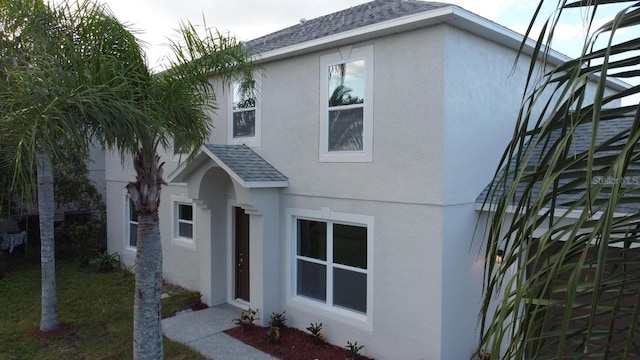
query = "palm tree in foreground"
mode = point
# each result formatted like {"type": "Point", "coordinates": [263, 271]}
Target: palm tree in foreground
{"type": "Point", "coordinates": [53, 77]}
{"type": "Point", "coordinates": [568, 218]}
{"type": "Point", "coordinates": [75, 75]}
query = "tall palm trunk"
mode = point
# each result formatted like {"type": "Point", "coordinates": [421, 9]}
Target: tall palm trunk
{"type": "Point", "coordinates": [145, 192]}
{"type": "Point", "coordinates": [49, 319]}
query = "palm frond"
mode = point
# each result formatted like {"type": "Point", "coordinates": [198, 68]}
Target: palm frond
{"type": "Point", "coordinates": [567, 214]}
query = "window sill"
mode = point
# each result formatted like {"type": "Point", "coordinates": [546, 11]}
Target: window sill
{"type": "Point", "coordinates": [361, 321]}
{"type": "Point", "coordinates": [184, 242]}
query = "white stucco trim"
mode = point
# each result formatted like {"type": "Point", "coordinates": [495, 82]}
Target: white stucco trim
{"type": "Point", "coordinates": [250, 141]}
{"type": "Point", "coordinates": [177, 240]}
{"type": "Point", "coordinates": [362, 321]}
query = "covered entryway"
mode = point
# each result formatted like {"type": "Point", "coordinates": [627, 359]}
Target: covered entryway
{"type": "Point", "coordinates": [238, 225]}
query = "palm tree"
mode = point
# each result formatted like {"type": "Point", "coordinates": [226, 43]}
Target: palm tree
{"type": "Point", "coordinates": [566, 218]}
{"type": "Point", "coordinates": [50, 83]}
{"type": "Point", "coordinates": [93, 84]}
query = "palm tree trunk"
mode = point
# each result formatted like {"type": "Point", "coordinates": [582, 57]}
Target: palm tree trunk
{"type": "Point", "coordinates": [49, 319]}
{"type": "Point", "coordinates": [147, 327]}
{"type": "Point", "coordinates": [145, 193]}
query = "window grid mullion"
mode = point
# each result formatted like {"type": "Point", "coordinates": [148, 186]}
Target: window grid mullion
{"type": "Point", "coordinates": [330, 263]}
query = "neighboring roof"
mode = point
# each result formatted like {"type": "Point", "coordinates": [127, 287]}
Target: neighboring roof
{"type": "Point", "coordinates": [581, 142]}
{"type": "Point", "coordinates": [354, 17]}
{"type": "Point", "coordinates": [242, 164]}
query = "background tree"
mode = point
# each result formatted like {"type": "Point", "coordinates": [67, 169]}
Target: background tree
{"type": "Point", "coordinates": [528, 312]}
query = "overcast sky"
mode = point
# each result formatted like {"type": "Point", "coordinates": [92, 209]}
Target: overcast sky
{"type": "Point", "coordinates": [155, 20]}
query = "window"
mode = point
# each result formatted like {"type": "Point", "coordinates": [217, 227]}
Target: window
{"type": "Point", "coordinates": [346, 95]}
{"type": "Point", "coordinates": [346, 106]}
{"type": "Point", "coordinates": [245, 124]}
{"type": "Point", "coordinates": [184, 221]}
{"type": "Point", "coordinates": [332, 262]}
{"type": "Point", "coordinates": [131, 223]}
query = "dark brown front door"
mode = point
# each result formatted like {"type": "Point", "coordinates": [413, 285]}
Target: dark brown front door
{"type": "Point", "coordinates": [241, 221]}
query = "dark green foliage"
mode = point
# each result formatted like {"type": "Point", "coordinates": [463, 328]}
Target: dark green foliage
{"type": "Point", "coordinates": [316, 330]}
{"type": "Point", "coordinates": [105, 262]}
{"type": "Point", "coordinates": [273, 334]}
{"type": "Point", "coordinates": [353, 349]}
{"type": "Point", "coordinates": [194, 301]}
{"type": "Point", "coordinates": [278, 319]}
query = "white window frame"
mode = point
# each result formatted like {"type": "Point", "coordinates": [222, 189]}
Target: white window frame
{"type": "Point", "coordinates": [128, 208]}
{"type": "Point", "coordinates": [352, 317]}
{"type": "Point", "coordinates": [344, 55]}
{"type": "Point", "coordinates": [251, 141]}
{"type": "Point", "coordinates": [176, 201]}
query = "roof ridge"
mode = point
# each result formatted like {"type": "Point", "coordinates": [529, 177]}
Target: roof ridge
{"type": "Point", "coordinates": [333, 23]}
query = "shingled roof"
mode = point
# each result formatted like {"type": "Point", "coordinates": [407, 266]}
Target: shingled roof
{"type": "Point", "coordinates": [245, 163]}
{"type": "Point", "coordinates": [581, 143]}
{"type": "Point", "coordinates": [352, 18]}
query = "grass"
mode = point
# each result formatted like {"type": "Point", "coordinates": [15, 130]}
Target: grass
{"type": "Point", "coordinates": [98, 306]}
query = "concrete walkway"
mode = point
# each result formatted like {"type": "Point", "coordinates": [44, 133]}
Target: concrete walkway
{"type": "Point", "coordinates": [203, 331]}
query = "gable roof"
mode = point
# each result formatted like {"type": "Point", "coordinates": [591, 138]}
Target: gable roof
{"type": "Point", "coordinates": [581, 143]}
{"type": "Point", "coordinates": [242, 164]}
{"type": "Point", "coordinates": [384, 17]}
{"type": "Point", "coordinates": [355, 17]}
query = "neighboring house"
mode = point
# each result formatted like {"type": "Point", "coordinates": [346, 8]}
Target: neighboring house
{"type": "Point", "coordinates": [345, 191]}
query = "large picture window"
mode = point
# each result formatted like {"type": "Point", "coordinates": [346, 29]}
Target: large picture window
{"type": "Point", "coordinates": [347, 113]}
{"type": "Point", "coordinates": [131, 223]}
{"type": "Point", "coordinates": [332, 263]}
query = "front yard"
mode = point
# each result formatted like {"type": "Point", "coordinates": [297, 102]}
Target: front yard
{"type": "Point", "coordinates": [96, 309]}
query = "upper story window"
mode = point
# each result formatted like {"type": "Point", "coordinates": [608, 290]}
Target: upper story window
{"type": "Point", "coordinates": [346, 128]}
{"type": "Point", "coordinates": [244, 117]}
{"type": "Point", "coordinates": [346, 106]}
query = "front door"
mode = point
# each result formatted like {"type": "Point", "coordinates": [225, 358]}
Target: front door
{"type": "Point", "coordinates": [241, 221]}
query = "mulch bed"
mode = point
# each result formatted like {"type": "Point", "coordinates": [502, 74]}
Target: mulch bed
{"type": "Point", "coordinates": [294, 344]}
{"type": "Point", "coordinates": [63, 330]}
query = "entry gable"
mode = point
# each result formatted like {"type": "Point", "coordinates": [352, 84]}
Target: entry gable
{"type": "Point", "coordinates": [242, 164]}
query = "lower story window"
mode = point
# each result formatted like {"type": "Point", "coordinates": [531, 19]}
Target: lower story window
{"type": "Point", "coordinates": [184, 221]}
{"type": "Point", "coordinates": [331, 263]}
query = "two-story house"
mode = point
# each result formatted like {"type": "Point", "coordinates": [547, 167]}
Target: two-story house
{"type": "Point", "coordinates": [344, 192]}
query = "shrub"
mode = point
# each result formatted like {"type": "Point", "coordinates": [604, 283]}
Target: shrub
{"type": "Point", "coordinates": [274, 334]}
{"type": "Point", "coordinates": [247, 318]}
{"type": "Point", "coordinates": [353, 349]}
{"type": "Point", "coordinates": [105, 262]}
{"type": "Point", "coordinates": [316, 330]}
{"type": "Point", "coordinates": [194, 301]}
{"type": "Point", "coordinates": [278, 319]}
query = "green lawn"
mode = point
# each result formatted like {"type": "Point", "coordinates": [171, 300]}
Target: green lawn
{"type": "Point", "coordinates": [99, 306]}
